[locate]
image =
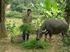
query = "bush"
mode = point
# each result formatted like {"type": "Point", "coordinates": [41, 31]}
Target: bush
{"type": "Point", "coordinates": [66, 41]}
{"type": "Point", "coordinates": [35, 44]}
{"type": "Point", "coordinates": [13, 14]}
{"type": "Point", "coordinates": [12, 29]}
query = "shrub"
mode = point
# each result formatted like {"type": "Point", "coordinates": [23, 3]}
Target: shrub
{"type": "Point", "coordinates": [66, 41]}
{"type": "Point", "coordinates": [13, 14]}
{"type": "Point", "coordinates": [35, 44]}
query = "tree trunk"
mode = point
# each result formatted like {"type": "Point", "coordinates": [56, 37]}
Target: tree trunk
{"type": "Point", "coordinates": [2, 20]}
{"type": "Point", "coordinates": [67, 11]}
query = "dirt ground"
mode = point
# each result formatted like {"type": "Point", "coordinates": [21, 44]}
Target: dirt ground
{"type": "Point", "coordinates": [56, 47]}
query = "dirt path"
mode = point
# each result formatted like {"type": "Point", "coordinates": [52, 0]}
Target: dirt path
{"type": "Point", "coordinates": [6, 46]}
{"type": "Point", "coordinates": [56, 44]}
{"type": "Point", "coordinates": [13, 48]}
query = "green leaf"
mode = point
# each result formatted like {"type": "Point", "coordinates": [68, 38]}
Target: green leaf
{"type": "Point", "coordinates": [47, 4]}
{"type": "Point", "coordinates": [54, 6]}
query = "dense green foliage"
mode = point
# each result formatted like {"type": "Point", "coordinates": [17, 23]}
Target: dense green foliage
{"type": "Point", "coordinates": [13, 14]}
{"type": "Point", "coordinates": [7, 1]}
{"type": "Point", "coordinates": [48, 8]}
{"type": "Point", "coordinates": [35, 44]}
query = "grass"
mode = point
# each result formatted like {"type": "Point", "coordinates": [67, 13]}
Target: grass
{"type": "Point", "coordinates": [34, 44]}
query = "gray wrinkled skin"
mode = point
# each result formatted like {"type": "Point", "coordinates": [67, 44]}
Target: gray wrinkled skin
{"type": "Point", "coordinates": [52, 26]}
